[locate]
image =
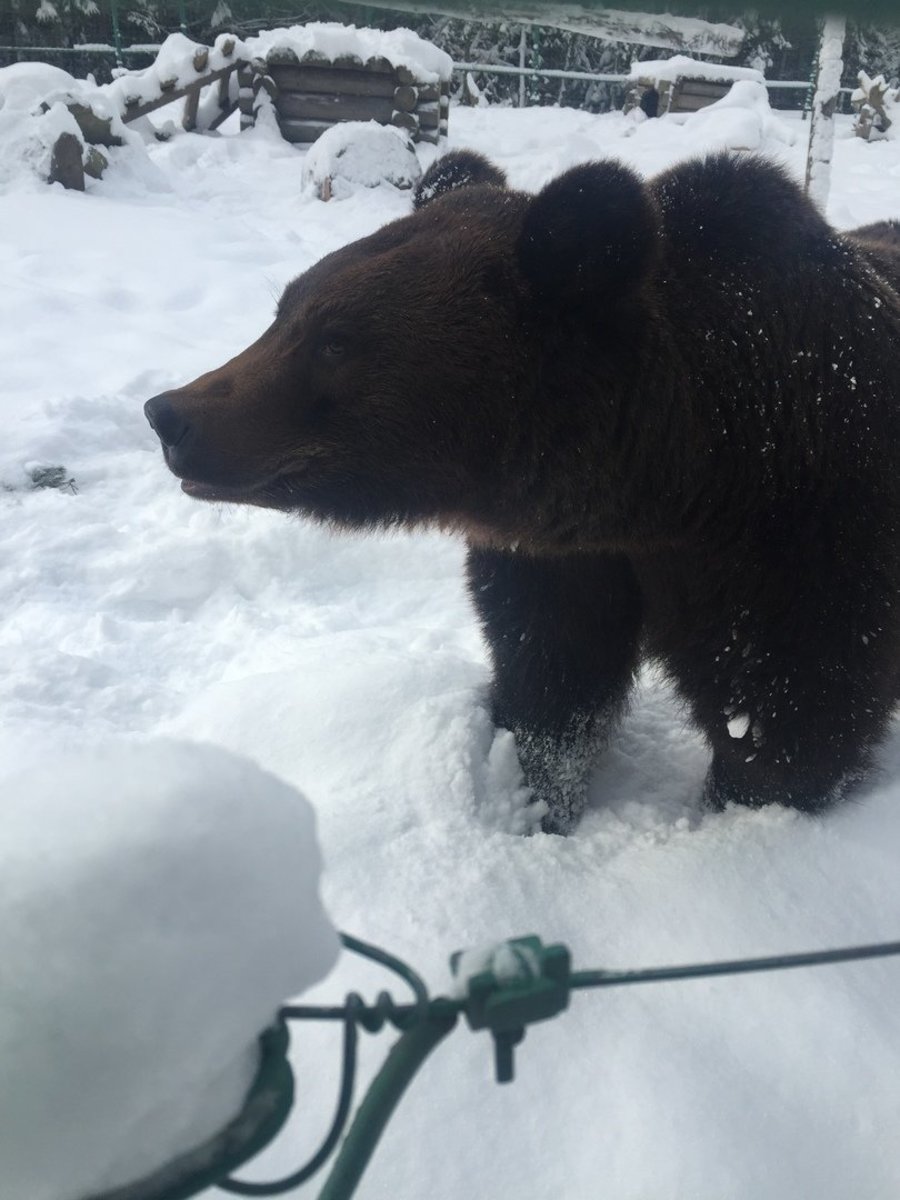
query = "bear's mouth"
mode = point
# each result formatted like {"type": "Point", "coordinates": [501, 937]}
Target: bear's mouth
{"type": "Point", "coordinates": [209, 491]}
{"type": "Point", "coordinates": [275, 493]}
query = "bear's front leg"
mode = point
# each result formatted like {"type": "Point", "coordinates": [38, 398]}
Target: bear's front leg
{"type": "Point", "coordinates": [563, 635]}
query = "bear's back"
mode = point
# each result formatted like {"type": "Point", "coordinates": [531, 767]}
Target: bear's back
{"type": "Point", "coordinates": [790, 339]}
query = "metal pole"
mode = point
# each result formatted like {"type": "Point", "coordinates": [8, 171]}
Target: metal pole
{"type": "Point", "coordinates": [182, 16]}
{"type": "Point", "coordinates": [522, 48]}
{"type": "Point", "coordinates": [384, 1094]}
{"type": "Point", "coordinates": [117, 35]}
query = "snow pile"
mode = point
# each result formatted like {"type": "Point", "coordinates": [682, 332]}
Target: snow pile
{"type": "Point", "coordinates": [679, 66]}
{"type": "Point", "coordinates": [360, 154]}
{"type": "Point", "coordinates": [24, 85]}
{"type": "Point", "coordinates": [34, 112]}
{"type": "Point", "coordinates": [401, 47]}
{"type": "Point", "coordinates": [159, 903]}
{"type": "Point", "coordinates": [741, 120]}
{"type": "Point", "coordinates": [27, 134]}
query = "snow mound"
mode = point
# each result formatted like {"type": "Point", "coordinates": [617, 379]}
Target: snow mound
{"type": "Point", "coordinates": [741, 120]}
{"type": "Point", "coordinates": [27, 134]}
{"type": "Point", "coordinates": [159, 903]}
{"type": "Point", "coordinates": [357, 154]}
{"type": "Point", "coordinates": [326, 42]}
{"type": "Point", "coordinates": [24, 85]}
{"type": "Point", "coordinates": [34, 112]}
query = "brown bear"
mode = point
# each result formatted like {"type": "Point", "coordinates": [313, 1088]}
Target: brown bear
{"type": "Point", "coordinates": [666, 417]}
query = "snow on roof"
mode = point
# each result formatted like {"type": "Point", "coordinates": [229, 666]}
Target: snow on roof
{"type": "Point", "coordinates": [679, 66]}
{"type": "Point", "coordinates": [401, 47]}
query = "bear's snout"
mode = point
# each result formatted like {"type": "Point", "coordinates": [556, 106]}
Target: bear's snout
{"type": "Point", "coordinates": [198, 441]}
{"type": "Point", "coordinates": [182, 449]}
{"type": "Point", "coordinates": [169, 425]}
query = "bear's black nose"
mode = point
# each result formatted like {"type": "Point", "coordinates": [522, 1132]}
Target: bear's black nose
{"type": "Point", "coordinates": [165, 420]}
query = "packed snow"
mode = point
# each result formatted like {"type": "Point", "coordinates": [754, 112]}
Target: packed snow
{"type": "Point", "coordinates": [159, 901]}
{"type": "Point", "coordinates": [352, 667]}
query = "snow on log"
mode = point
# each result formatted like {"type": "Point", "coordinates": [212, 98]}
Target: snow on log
{"type": "Point", "coordinates": [159, 903]}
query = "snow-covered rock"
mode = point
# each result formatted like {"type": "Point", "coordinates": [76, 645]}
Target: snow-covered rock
{"type": "Point", "coordinates": [358, 154]}
{"type": "Point", "coordinates": [158, 903]}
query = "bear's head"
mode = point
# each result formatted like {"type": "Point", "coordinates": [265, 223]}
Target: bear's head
{"type": "Point", "coordinates": [404, 374]}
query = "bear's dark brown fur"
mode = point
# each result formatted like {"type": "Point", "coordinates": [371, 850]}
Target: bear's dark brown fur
{"type": "Point", "coordinates": [881, 243]}
{"type": "Point", "coordinates": [666, 416]}
{"type": "Point", "coordinates": [463, 169]}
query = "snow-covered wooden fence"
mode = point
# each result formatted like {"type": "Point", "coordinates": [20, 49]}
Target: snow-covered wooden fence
{"type": "Point", "coordinates": [172, 89]}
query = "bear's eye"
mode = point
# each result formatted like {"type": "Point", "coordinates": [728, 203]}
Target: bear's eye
{"type": "Point", "coordinates": [333, 346]}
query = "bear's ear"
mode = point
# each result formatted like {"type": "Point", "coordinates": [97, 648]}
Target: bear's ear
{"type": "Point", "coordinates": [592, 232]}
{"type": "Point", "coordinates": [459, 169]}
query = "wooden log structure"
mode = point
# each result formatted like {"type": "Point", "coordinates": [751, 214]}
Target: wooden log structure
{"type": "Point", "coordinates": [690, 95]}
{"type": "Point", "coordinates": [313, 93]}
{"type": "Point", "coordinates": [682, 95]}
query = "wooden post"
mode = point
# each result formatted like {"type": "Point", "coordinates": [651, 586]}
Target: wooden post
{"type": "Point", "coordinates": [245, 96]}
{"type": "Point", "coordinates": [191, 105]}
{"type": "Point", "coordinates": [821, 126]}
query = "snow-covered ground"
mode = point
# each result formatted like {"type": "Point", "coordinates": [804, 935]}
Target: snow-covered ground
{"type": "Point", "coordinates": [352, 667]}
